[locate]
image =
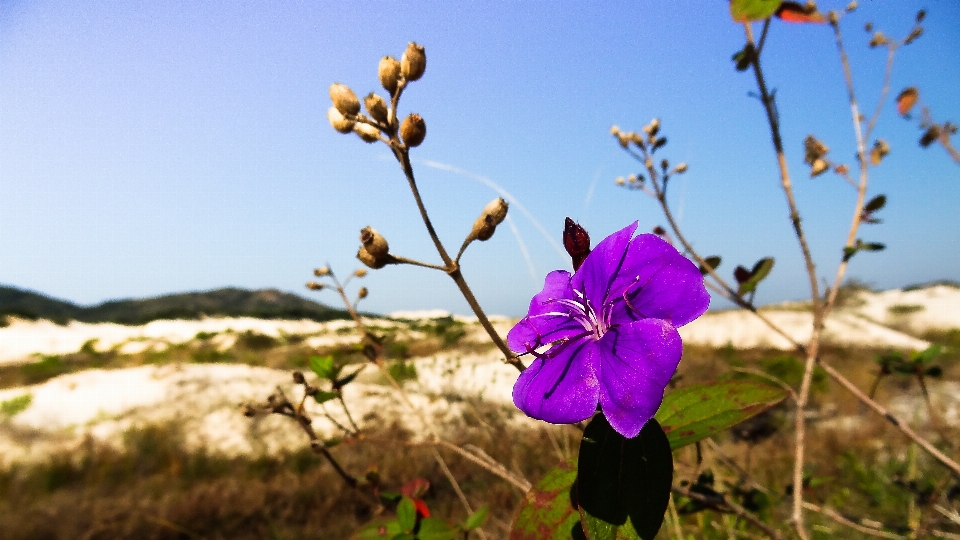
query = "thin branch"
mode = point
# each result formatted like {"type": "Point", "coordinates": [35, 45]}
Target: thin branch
{"type": "Point", "coordinates": [832, 514]}
{"type": "Point", "coordinates": [799, 420]}
{"type": "Point", "coordinates": [730, 507]}
{"type": "Point", "coordinates": [403, 260]}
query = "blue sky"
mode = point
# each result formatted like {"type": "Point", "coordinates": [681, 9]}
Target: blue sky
{"type": "Point", "coordinates": [157, 147]}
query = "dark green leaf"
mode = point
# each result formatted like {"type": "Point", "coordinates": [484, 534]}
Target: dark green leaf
{"type": "Point", "coordinates": [876, 203]}
{"type": "Point", "coordinates": [390, 496]}
{"type": "Point", "coordinates": [741, 274]}
{"type": "Point", "coordinates": [713, 262]}
{"type": "Point", "coordinates": [323, 366]}
{"type": "Point", "coordinates": [323, 396]}
{"type": "Point", "coordinates": [340, 383]}
{"type": "Point", "coordinates": [546, 512]}
{"type": "Point", "coordinates": [436, 529]}
{"type": "Point", "coordinates": [377, 530]}
{"type": "Point", "coordinates": [873, 246]}
{"type": "Point", "coordinates": [695, 412]}
{"type": "Point", "coordinates": [743, 57]}
{"type": "Point", "coordinates": [477, 518]}
{"type": "Point", "coordinates": [624, 484]}
{"type": "Point", "coordinates": [760, 271]}
{"type": "Point", "coordinates": [752, 10]}
{"type": "Point", "coordinates": [407, 514]}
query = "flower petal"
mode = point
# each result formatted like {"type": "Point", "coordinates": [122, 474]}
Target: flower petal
{"type": "Point", "coordinates": [665, 284]}
{"type": "Point", "coordinates": [637, 361]}
{"type": "Point", "coordinates": [563, 389]}
{"type": "Point", "coordinates": [546, 321]}
{"type": "Point", "coordinates": [599, 272]}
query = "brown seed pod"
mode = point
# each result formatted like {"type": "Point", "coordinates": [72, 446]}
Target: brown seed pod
{"type": "Point", "coordinates": [371, 261]}
{"type": "Point", "coordinates": [374, 242]}
{"type": "Point", "coordinates": [413, 62]}
{"type": "Point", "coordinates": [367, 132]}
{"type": "Point", "coordinates": [338, 121]}
{"type": "Point", "coordinates": [492, 215]}
{"type": "Point", "coordinates": [344, 99]}
{"type": "Point", "coordinates": [413, 130]}
{"type": "Point", "coordinates": [376, 106]}
{"type": "Point", "coordinates": [389, 73]}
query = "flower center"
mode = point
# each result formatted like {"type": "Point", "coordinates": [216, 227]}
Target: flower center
{"type": "Point", "coordinates": [583, 311]}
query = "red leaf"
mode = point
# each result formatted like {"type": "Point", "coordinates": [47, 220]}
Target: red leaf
{"type": "Point", "coordinates": [797, 13]}
{"type": "Point", "coordinates": [415, 488]}
{"type": "Point", "coordinates": [906, 100]}
{"type": "Point", "coordinates": [421, 507]}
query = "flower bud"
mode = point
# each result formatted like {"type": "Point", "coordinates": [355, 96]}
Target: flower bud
{"type": "Point", "coordinates": [322, 271]}
{"type": "Point", "coordinates": [576, 241]}
{"type": "Point", "coordinates": [614, 130]}
{"type": "Point", "coordinates": [680, 169]}
{"type": "Point", "coordinates": [623, 139]}
{"type": "Point", "coordinates": [413, 62]}
{"type": "Point", "coordinates": [389, 72]}
{"type": "Point", "coordinates": [413, 130]}
{"type": "Point", "coordinates": [344, 99]}
{"type": "Point", "coordinates": [362, 293]}
{"type": "Point", "coordinates": [314, 286]}
{"type": "Point", "coordinates": [360, 272]}
{"type": "Point", "coordinates": [374, 242]}
{"type": "Point", "coordinates": [367, 132]}
{"type": "Point", "coordinates": [492, 215]}
{"type": "Point", "coordinates": [620, 180]}
{"type": "Point", "coordinates": [376, 106]}
{"type": "Point", "coordinates": [338, 121]}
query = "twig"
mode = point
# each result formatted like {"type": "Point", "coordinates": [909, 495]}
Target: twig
{"type": "Point", "coordinates": [800, 422]}
{"type": "Point", "coordinates": [832, 514]}
{"type": "Point", "coordinates": [496, 468]}
{"type": "Point", "coordinates": [731, 507]}
{"type": "Point", "coordinates": [456, 487]}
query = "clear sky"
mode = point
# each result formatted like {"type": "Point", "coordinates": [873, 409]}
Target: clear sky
{"type": "Point", "coordinates": [158, 147]}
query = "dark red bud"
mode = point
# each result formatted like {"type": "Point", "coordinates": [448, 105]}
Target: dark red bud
{"type": "Point", "coordinates": [659, 231]}
{"type": "Point", "coordinates": [576, 241]}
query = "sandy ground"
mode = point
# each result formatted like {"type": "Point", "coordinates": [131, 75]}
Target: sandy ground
{"type": "Point", "coordinates": [205, 398]}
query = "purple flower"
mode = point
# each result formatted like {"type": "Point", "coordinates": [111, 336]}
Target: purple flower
{"type": "Point", "coordinates": [612, 333]}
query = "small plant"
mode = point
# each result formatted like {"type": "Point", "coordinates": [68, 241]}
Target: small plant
{"type": "Point", "coordinates": [15, 406]}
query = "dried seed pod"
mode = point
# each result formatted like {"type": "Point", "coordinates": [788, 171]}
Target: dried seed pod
{"type": "Point", "coordinates": [322, 271]}
{"type": "Point", "coordinates": [344, 99]}
{"type": "Point", "coordinates": [371, 261]}
{"type": "Point", "coordinates": [492, 215]}
{"type": "Point", "coordinates": [339, 122]}
{"type": "Point", "coordinates": [619, 181]}
{"type": "Point", "coordinates": [314, 286]}
{"type": "Point", "coordinates": [362, 293]}
{"type": "Point", "coordinates": [298, 377]}
{"type": "Point", "coordinates": [360, 272]}
{"type": "Point", "coordinates": [374, 242]}
{"type": "Point", "coordinates": [614, 130]}
{"type": "Point", "coordinates": [652, 128]}
{"type": "Point", "coordinates": [413, 130]}
{"type": "Point", "coordinates": [376, 106]}
{"type": "Point", "coordinates": [413, 62]}
{"type": "Point", "coordinates": [389, 73]}
{"type": "Point", "coordinates": [367, 132]}
{"type": "Point", "coordinates": [818, 167]}
{"type": "Point", "coordinates": [680, 169]}
{"type": "Point", "coordinates": [813, 149]}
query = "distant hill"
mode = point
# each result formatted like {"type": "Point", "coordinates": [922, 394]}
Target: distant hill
{"type": "Point", "coordinates": [227, 302]}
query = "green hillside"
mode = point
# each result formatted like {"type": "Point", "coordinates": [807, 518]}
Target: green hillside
{"type": "Point", "coordinates": [226, 302]}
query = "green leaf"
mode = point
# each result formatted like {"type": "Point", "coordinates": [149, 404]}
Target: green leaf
{"type": "Point", "coordinates": [872, 246]}
{"type": "Point", "coordinates": [323, 396]}
{"type": "Point", "coordinates": [695, 412]}
{"type": "Point", "coordinates": [743, 57]}
{"type": "Point", "coordinates": [323, 366]}
{"type": "Point", "coordinates": [752, 10]}
{"type": "Point", "coordinates": [713, 262]}
{"type": "Point", "coordinates": [624, 484]}
{"type": "Point", "coordinates": [375, 530]}
{"type": "Point", "coordinates": [436, 529]}
{"type": "Point", "coordinates": [875, 203]}
{"type": "Point", "coordinates": [760, 271]}
{"type": "Point", "coordinates": [407, 514]}
{"type": "Point", "coordinates": [477, 518]}
{"type": "Point", "coordinates": [546, 511]}
{"type": "Point", "coordinates": [927, 354]}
